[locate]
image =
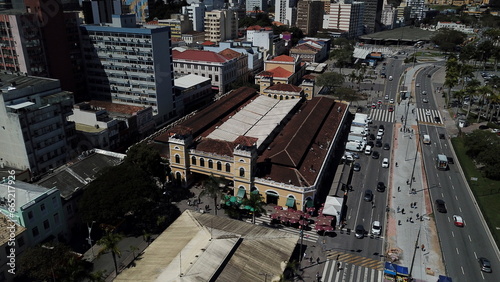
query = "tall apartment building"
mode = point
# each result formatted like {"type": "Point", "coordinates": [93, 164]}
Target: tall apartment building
{"type": "Point", "coordinates": [196, 14]}
{"type": "Point", "coordinates": [252, 5]}
{"type": "Point", "coordinates": [372, 16]}
{"type": "Point", "coordinates": [140, 8]}
{"type": "Point", "coordinates": [221, 25]}
{"type": "Point", "coordinates": [130, 65]}
{"type": "Point", "coordinates": [96, 12]}
{"type": "Point", "coordinates": [389, 17]}
{"type": "Point", "coordinates": [35, 134]}
{"type": "Point", "coordinates": [347, 18]}
{"type": "Point", "coordinates": [416, 9]}
{"type": "Point", "coordinates": [286, 12]}
{"type": "Point", "coordinates": [178, 23]}
{"type": "Point", "coordinates": [310, 16]}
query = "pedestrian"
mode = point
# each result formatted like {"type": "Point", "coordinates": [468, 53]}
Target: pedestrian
{"type": "Point", "coordinates": [310, 260]}
{"type": "Point", "coordinates": [399, 222]}
{"type": "Point", "coordinates": [317, 260]}
{"type": "Point", "coordinates": [317, 276]}
{"type": "Point", "coordinates": [189, 202]}
{"type": "Point", "coordinates": [417, 216]}
{"type": "Point", "coordinates": [305, 255]}
{"type": "Point", "coordinates": [399, 189]}
{"type": "Point", "coordinates": [338, 256]}
{"type": "Point", "coordinates": [411, 219]}
{"type": "Point", "coordinates": [398, 209]}
{"type": "Point", "coordinates": [403, 211]}
{"type": "Point", "coordinates": [411, 205]}
{"type": "Point", "coordinates": [396, 164]}
{"type": "Point", "coordinates": [415, 204]}
{"type": "Point", "coordinates": [422, 247]}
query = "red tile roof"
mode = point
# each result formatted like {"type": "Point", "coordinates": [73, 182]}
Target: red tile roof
{"type": "Point", "coordinates": [285, 87]}
{"type": "Point", "coordinates": [198, 55]}
{"type": "Point", "coordinates": [283, 58]}
{"type": "Point", "coordinates": [215, 146]}
{"type": "Point", "coordinates": [230, 54]}
{"type": "Point", "coordinates": [280, 72]}
{"type": "Point", "coordinates": [208, 43]}
{"type": "Point", "coordinates": [117, 108]}
{"type": "Point", "coordinates": [246, 141]}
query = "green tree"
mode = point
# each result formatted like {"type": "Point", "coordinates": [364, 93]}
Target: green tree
{"type": "Point", "coordinates": [256, 202]}
{"type": "Point", "coordinates": [448, 39]}
{"type": "Point", "coordinates": [485, 50]}
{"type": "Point", "coordinates": [343, 57]}
{"type": "Point", "coordinates": [146, 158]}
{"type": "Point", "coordinates": [330, 80]}
{"type": "Point", "coordinates": [109, 242]}
{"type": "Point", "coordinates": [211, 188]}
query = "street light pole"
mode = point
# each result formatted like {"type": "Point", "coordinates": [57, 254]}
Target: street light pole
{"type": "Point", "coordinates": [90, 238]}
{"type": "Point", "coordinates": [414, 161]}
{"type": "Point", "coordinates": [414, 252]}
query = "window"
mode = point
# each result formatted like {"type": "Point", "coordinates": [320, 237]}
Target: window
{"type": "Point", "coordinates": [242, 172]}
{"type": "Point", "coordinates": [177, 159]}
{"type": "Point", "coordinates": [219, 166]}
{"type": "Point", "coordinates": [228, 167]}
{"type": "Point", "coordinates": [20, 241]}
{"type": "Point", "coordinates": [35, 232]}
{"type": "Point", "coordinates": [42, 208]}
{"type": "Point", "coordinates": [210, 164]}
{"type": "Point", "coordinates": [56, 219]}
{"type": "Point", "coordinates": [46, 224]}
{"type": "Point", "coordinates": [202, 162]}
{"type": "Point", "coordinates": [30, 215]}
{"type": "Point", "coordinates": [193, 160]}
{"type": "Point", "coordinates": [54, 202]}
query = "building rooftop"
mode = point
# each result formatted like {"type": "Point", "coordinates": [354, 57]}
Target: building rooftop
{"type": "Point", "coordinates": [25, 193]}
{"type": "Point", "coordinates": [5, 233]}
{"type": "Point", "coordinates": [230, 54]}
{"type": "Point", "coordinates": [285, 88]}
{"type": "Point", "coordinates": [20, 81]}
{"type": "Point", "coordinates": [283, 58]}
{"type": "Point", "coordinates": [204, 247]}
{"type": "Point", "coordinates": [88, 128]}
{"type": "Point", "coordinates": [68, 179]}
{"type": "Point", "coordinates": [114, 108]}
{"type": "Point", "coordinates": [199, 55]}
{"type": "Point", "coordinates": [278, 72]}
{"type": "Point", "coordinates": [190, 80]}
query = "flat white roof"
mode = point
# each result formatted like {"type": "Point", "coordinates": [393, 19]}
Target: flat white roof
{"type": "Point", "coordinates": [21, 105]}
{"type": "Point", "coordinates": [258, 119]}
{"type": "Point", "coordinates": [189, 80]}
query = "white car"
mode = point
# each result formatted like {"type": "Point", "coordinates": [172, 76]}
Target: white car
{"type": "Point", "coordinates": [386, 97]}
{"type": "Point", "coordinates": [385, 163]}
{"type": "Point", "coordinates": [376, 228]}
{"type": "Point", "coordinates": [427, 113]}
{"type": "Point", "coordinates": [424, 92]}
{"type": "Point", "coordinates": [391, 101]}
{"type": "Point", "coordinates": [417, 85]}
{"type": "Point", "coordinates": [425, 100]}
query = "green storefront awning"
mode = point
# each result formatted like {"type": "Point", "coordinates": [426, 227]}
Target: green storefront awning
{"type": "Point", "coordinates": [309, 203]}
{"type": "Point", "coordinates": [241, 192]}
{"type": "Point", "coordinates": [290, 202]}
{"type": "Point", "coordinates": [255, 192]}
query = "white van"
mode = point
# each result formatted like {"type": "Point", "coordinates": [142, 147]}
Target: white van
{"type": "Point", "coordinates": [390, 77]}
{"type": "Point", "coordinates": [368, 150]}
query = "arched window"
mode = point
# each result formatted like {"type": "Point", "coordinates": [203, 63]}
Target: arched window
{"type": "Point", "coordinates": [275, 96]}
{"type": "Point", "coordinates": [242, 172]}
{"type": "Point", "coordinates": [228, 167]}
{"type": "Point", "coordinates": [210, 164]}
{"type": "Point", "coordinates": [193, 160]}
{"type": "Point", "coordinates": [202, 162]}
{"type": "Point", "coordinates": [281, 97]}
{"type": "Point", "coordinates": [219, 166]}
{"type": "Point", "coordinates": [177, 159]}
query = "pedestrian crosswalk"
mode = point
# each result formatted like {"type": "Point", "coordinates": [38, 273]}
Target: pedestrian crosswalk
{"type": "Point", "coordinates": [382, 115]}
{"type": "Point", "coordinates": [429, 116]}
{"type": "Point", "coordinates": [355, 259]}
{"type": "Point", "coordinates": [309, 235]}
{"type": "Point", "coordinates": [337, 270]}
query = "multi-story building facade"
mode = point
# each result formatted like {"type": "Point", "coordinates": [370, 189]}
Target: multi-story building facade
{"type": "Point", "coordinates": [130, 65]}
{"type": "Point", "coordinates": [286, 12]}
{"type": "Point", "coordinates": [255, 57]}
{"type": "Point", "coordinates": [178, 23]}
{"type": "Point", "coordinates": [372, 15]}
{"type": "Point", "coordinates": [221, 25]}
{"type": "Point", "coordinates": [193, 37]}
{"type": "Point", "coordinates": [310, 16]}
{"type": "Point", "coordinates": [280, 70]}
{"type": "Point", "coordinates": [222, 68]}
{"type": "Point", "coordinates": [140, 8]}
{"type": "Point", "coordinates": [417, 8]}
{"type": "Point", "coordinates": [389, 17]}
{"type": "Point", "coordinates": [96, 12]}
{"type": "Point", "coordinates": [313, 50]}
{"type": "Point", "coordinates": [196, 14]}
{"type": "Point", "coordinates": [347, 18]}
{"type": "Point", "coordinates": [192, 92]}
{"type": "Point", "coordinates": [36, 135]}
{"type": "Point", "coordinates": [13, 242]}
{"type": "Point", "coordinates": [38, 209]}
{"type": "Point", "coordinates": [256, 5]}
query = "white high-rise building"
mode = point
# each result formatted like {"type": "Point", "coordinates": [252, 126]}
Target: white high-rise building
{"type": "Point", "coordinates": [130, 65]}
{"type": "Point", "coordinates": [347, 18]}
{"type": "Point", "coordinates": [196, 13]}
{"type": "Point", "coordinates": [286, 12]}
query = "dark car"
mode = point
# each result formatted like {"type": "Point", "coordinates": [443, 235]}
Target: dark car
{"type": "Point", "coordinates": [378, 143]}
{"type": "Point", "coordinates": [372, 136]}
{"type": "Point", "coordinates": [440, 206]}
{"type": "Point", "coordinates": [375, 155]}
{"type": "Point", "coordinates": [359, 231]}
{"type": "Point", "coordinates": [442, 136]}
{"type": "Point", "coordinates": [381, 127]}
{"type": "Point", "coordinates": [437, 119]}
{"type": "Point", "coordinates": [370, 143]}
{"type": "Point", "coordinates": [368, 195]}
{"type": "Point", "coordinates": [380, 187]}
{"type": "Point", "coordinates": [485, 265]}
{"type": "Point", "coordinates": [356, 167]}
{"type": "Point", "coordinates": [483, 126]}
{"type": "Point", "coordinates": [387, 146]}
{"type": "Point", "coordinates": [450, 160]}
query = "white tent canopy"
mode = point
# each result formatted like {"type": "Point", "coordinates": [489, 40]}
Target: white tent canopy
{"type": "Point", "coordinates": [333, 206]}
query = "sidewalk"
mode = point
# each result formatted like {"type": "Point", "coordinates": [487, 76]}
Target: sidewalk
{"type": "Point", "coordinates": [410, 231]}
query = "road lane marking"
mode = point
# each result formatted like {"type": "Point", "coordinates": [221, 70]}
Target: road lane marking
{"type": "Point", "coordinates": [452, 234]}
{"type": "Point", "coordinates": [456, 198]}
{"type": "Point", "coordinates": [462, 270]}
{"type": "Point", "coordinates": [457, 251]}
{"type": "Point", "coordinates": [471, 241]}
{"type": "Point", "coordinates": [460, 209]}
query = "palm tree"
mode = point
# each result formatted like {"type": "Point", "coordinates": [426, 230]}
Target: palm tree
{"type": "Point", "coordinates": [256, 203]}
{"type": "Point", "coordinates": [110, 242]}
{"type": "Point", "coordinates": [483, 92]}
{"type": "Point", "coordinates": [211, 188]}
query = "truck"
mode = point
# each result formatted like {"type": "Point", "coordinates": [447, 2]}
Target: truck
{"type": "Point", "coordinates": [356, 138]}
{"type": "Point", "coordinates": [358, 131]}
{"type": "Point", "coordinates": [354, 146]}
{"type": "Point", "coordinates": [442, 162]}
{"type": "Point", "coordinates": [427, 139]}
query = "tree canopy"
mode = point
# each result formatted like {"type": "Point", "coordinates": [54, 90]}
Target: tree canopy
{"type": "Point", "coordinates": [163, 9]}
{"type": "Point", "coordinates": [448, 39]}
{"type": "Point", "coordinates": [484, 147]}
{"type": "Point", "coordinates": [146, 158]}
{"type": "Point", "coordinates": [331, 81]}
{"type": "Point", "coordinates": [261, 19]}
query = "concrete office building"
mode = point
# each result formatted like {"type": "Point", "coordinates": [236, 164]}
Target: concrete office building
{"type": "Point", "coordinates": [286, 12]}
{"type": "Point", "coordinates": [100, 11]}
{"type": "Point", "coordinates": [34, 134]}
{"type": "Point", "coordinates": [196, 13]}
{"type": "Point", "coordinates": [130, 65]}
{"type": "Point", "coordinates": [347, 18]}
{"type": "Point", "coordinates": [372, 15]}
{"type": "Point", "coordinates": [221, 25]}
{"type": "Point", "coordinates": [259, 5]}
{"type": "Point", "coordinates": [140, 8]}
{"type": "Point", "coordinates": [310, 16]}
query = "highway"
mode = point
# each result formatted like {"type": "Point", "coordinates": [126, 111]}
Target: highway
{"type": "Point", "coordinates": [461, 246]}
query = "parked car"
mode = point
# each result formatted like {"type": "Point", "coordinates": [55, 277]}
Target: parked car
{"type": "Point", "coordinates": [375, 155]}
{"type": "Point", "coordinates": [385, 163]}
{"type": "Point", "coordinates": [378, 143]}
{"type": "Point", "coordinates": [376, 227]}
{"type": "Point", "coordinates": [440, 206]}
{"type": "Point", "coordinates": [387, 146]}
{"type": "Point", "coordinates": [372, 136]}
{"type": "Point", "coordinates": [380, 186]}
{"type": "Point", "coordinates": [356, 167]}
{"type": "Point", "coordinates": [391, 109]}
{"type": "Point", "coordinates": [437, 119]}
{"type": "Point", "coordinates": [485, 264]}
{"type": "Point", "coordinates": [425, 100]}
{"type": "Point", "coordinates": [458, 221]}
{"type": "Point", "coordinates": [450, 160]}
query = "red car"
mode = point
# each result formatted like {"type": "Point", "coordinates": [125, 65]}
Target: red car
{"type": "Point", "coordinates": [458, 221]}
{"type": "Point", "coordinates": [374, 106]}
{"type": "Point", "coordinates": [391, 109]}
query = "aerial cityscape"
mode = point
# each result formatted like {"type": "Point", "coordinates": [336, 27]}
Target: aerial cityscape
{"type": "Point", "coordinates": [281, 140]}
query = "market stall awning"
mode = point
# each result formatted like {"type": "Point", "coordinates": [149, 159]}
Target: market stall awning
{"type": "Point", "coordinates": [389, 268]}
{"type": "Point", "coordinates": [401, 270]}
{"type": "Point", "coordinates": [443, 278]}
{"type": "Point", "coordinates": [255, 192]}
{"type": "Point", "coordinates": [290, 202]}
{"type": "Point", "coordinates": [241, 192]}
